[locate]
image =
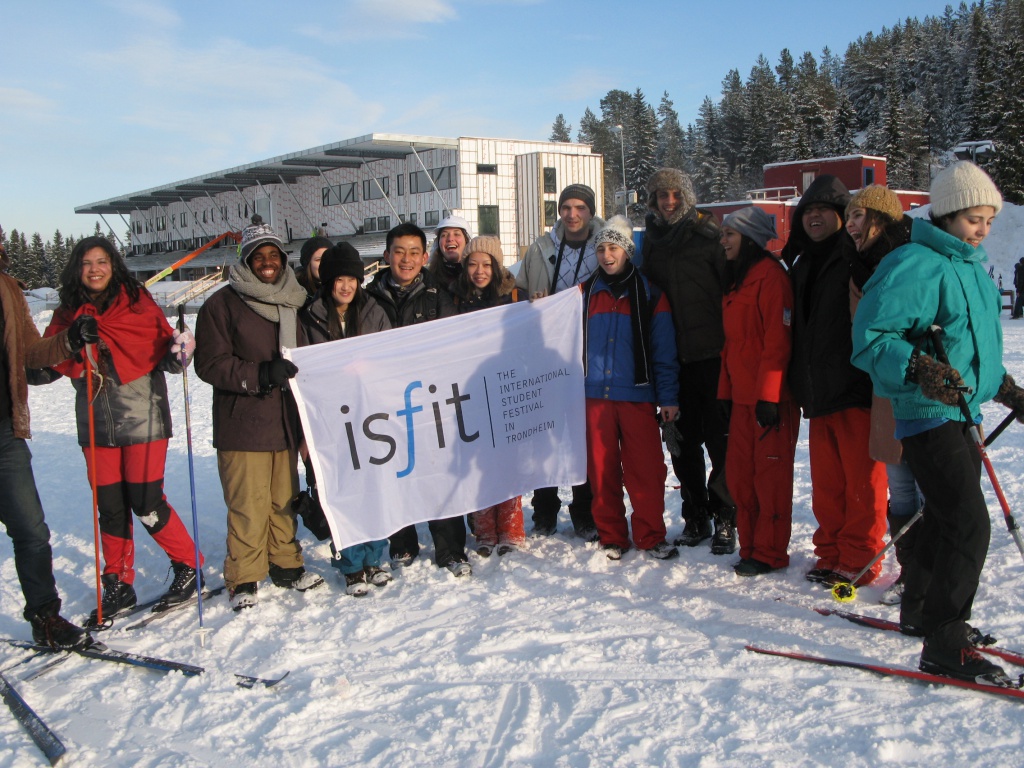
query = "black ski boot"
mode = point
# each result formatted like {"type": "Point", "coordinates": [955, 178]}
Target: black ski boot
{"type": "Point", "coordinates": [52, 629]}
{"type": "Point", "coordinates": [963, 663]}
{"type": "Point", "coordinates": [724, 540]}
{"type": "Point", "coordinates": [118, 597]}
{"type": "Point", "coordinates": [697, 528]}
{"type": "Point", "coordinates": [182, 588]}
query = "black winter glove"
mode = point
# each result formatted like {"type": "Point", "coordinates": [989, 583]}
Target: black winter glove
{"type": "Point", "coordinates": [274, 373]}
{"type": "Point", "coordinates": [938, 381]}
{"type": "Point", "coordinates": [767, 414]}
{"type": "Point", "coordinates": [83, 331]}
{"type": "Point", "coordinates": [671, 437]}
{"type": "Point", "coordinates": [1011, 396]}
{"type": "Point", "coordinates": [725, 411]}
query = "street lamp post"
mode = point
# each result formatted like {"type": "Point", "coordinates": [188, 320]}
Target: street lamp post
{"type": "Point", "coordinates": [625, 190]}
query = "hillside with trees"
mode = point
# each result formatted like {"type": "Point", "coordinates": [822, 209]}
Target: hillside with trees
{"type": "Point", "coordinates": [910, 93]}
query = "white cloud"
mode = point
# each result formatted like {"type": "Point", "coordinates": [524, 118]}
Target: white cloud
{"type": "Point", "coordinates": [155, 14]}
{"type": "Point", "coordinates": [391, 19]}
{"type": "Point", "coordinates": [231, 100]}
{"type": "Point", "coordinates": [21, 104]}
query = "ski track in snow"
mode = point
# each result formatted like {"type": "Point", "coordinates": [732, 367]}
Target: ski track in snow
{"type": "Point", "coordinates": [553, 656]}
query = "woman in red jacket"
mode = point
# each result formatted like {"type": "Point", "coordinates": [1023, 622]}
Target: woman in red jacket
{"type": "Point", "coordinates": [763, 420]}
{"type": "Point", "coordinates": [132, 416]}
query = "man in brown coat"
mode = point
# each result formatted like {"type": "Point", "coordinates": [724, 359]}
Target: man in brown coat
{"type": "Point", "coordinates": [240, 332]}
{"type": "Point", "coordinates": [21, 511]}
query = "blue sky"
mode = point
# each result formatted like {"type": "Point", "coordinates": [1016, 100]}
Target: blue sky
{"type": "Point", "coordinates": [111, 96]}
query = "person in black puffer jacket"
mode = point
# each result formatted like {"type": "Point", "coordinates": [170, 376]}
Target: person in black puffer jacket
{"type": "Point", "coordinates": [682, 255]}
{"type": "Point", "coordinates": [848, 487]}
{"type": "Point", "coordinates": [410, 295]}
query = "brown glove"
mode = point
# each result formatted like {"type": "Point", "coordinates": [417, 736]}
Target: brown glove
{"type": "Point", "coordinates": [938, 381]}
{"type": "Point", "coordinates": [1011, 396]}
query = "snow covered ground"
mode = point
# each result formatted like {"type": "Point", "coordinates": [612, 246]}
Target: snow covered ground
{"type": "Point", "coordinates": [553, 656]}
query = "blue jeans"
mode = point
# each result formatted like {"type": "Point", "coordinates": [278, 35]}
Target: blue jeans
{"type": "Point", "coordinates": [22, 515]}
{"type": "Point", "coordinates": [904, 496]}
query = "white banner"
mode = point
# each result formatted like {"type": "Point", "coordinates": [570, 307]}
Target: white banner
{"type": "Point", "coordinates": [444, 418]}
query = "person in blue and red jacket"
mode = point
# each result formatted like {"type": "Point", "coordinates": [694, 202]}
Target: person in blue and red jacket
{"type": "Point", "coordinates": [764, 422]}
{"type": "Point", "coordinates": [631, 369]}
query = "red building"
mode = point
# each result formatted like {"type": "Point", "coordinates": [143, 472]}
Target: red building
{"type": "Point", "coordinates": [785, 182]}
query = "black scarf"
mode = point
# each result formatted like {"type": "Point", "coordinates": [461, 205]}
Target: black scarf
{"type": "Point", "coordinates": [628, 280]}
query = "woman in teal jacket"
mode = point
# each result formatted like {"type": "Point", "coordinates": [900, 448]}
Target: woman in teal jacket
{"type": "Point", "coordinates": [940, 279]}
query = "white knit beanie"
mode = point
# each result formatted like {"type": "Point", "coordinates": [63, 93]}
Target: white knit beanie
{"type": "Point", "coordinates": [619, 231]}
{"type": "Point", "coordinates": [963, 185]}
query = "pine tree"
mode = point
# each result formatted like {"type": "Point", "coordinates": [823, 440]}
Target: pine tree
{"type": "Point", "coordinates": [641, 150]}
{"type": "Point", "coordinates": [560, 130]}
{"type": "Point", "coordinates": [670, 152]}
{"type": "Point", "coordinates": [594, 132]}
{"type": "Point", "coordinates": [1007, 167]}
{"type": "Point", "coordinates": [733, 114]}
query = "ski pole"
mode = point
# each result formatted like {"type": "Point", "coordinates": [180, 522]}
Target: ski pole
{"type": "Point", "coordinates": [93, 483]}
{"type": "Point", "coordinates": [1011, 524]}
{"type": "Point", "coordinates": [844, 592]}
{"type": "Point", "coordinates": [191, 467]}
{"type": "Point", "coordinates": [1010, 417]}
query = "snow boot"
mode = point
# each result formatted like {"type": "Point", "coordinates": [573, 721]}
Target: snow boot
{"type": "Point", "coordinates": [484, 550]}
{"type": "Point", "coordinates": [459, 567]}
{"type": "Point", "coordinates": [613, 551]}
{"type": "Point", "coordinates": [904, 548]}
{"type": "Point", "coordinates": [355, 584]}
{"type": "Point", "coordinates": [51, 629]}
{"type": "Point", "coordinates": [118, 597]}
{"type": "Point", "coordinates": [182, 587]}
{"type": "Point", "coordinates": [294, 578]}
{"type": "Point", "coordinates": [504, 549]}
{"type": "Point", "coordinates": [963, 663]}
{"type": "Point", "coordinates": [663, 551]}
{"type": "Point", "coordinates": [751, 567]}
{"type": "Point", "coordinates": [377, 575]}
{"type": "Point", "coordinates": [697, 528]}
{"type": "Point", "coordinates": [244, 596]}
{"type": "Point", "coordinates": [724, 540]}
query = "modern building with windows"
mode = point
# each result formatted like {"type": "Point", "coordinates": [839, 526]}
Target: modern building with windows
{"type": "Point", "coordinates": [358, 189]}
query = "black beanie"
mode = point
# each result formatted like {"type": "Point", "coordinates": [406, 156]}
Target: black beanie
{"type": "Point", "coordinates": [580, 192]}
{"type": "Point", "coordinates": [342, 260]}
{"type": "Point", "coordinates": [310, 247]}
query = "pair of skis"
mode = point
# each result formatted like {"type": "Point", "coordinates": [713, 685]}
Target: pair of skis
{"type": "Point", "coordinates": [47, 741]}
{"type": "Point", "coordinates": [1013, 657]}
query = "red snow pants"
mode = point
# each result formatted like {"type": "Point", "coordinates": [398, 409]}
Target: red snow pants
{"type": "Point", "coordinates": [849, 492]}
{"type": "Point", "coordinates": [130, 479]}
{"type": "Point", "coordinates": [624, 447]}
{"type": "Point", "coordinates": [759, 470]}
{"type": "Point", "coordinates": [500, 524]}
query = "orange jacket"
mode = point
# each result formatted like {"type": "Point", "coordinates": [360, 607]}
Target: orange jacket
{"type": "Point", "coordinates": [758, 336]}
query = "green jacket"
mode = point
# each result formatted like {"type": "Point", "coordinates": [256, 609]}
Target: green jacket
{"type": "Point", "coordinates": [934, 280]}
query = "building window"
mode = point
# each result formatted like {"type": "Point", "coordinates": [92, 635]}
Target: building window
{"type": "Point", "coordinates": [383, 223]}
{"type": "Point", "coordinates": [412, 218]}
{"type": "Point", "coordinates": [444, 178]}
{"type": "Point", "coordinates": [869, 176]}
{"type": "Point", "coordinates": [373, 192]}
{"type": "Point", "coordinates": [204, 217]}
{"type": "Point", "coordinates": [486, 168]}
{"type": "Point", "coordinates": [339, 194]}
{"type": "Point", "coordinates": [183, 218]}
{"type": "Point", "coordinates": [369, 224]}
{"type": "Point", "coordinates": [487, 219]}
{"type": "Point", "coordinates": [430, 219]}
{"type": "Point", "coordinates": [550, 181]}
{"type": "Point", "coordinates": [223, 213]}
{"type": "Point", "coordinates": [401, 184]}
{"type": "Point", "coordinates": [550, 213]}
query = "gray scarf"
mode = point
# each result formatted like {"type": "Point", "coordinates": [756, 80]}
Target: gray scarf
{"type": "Point", "coordinates": [277, 302]}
